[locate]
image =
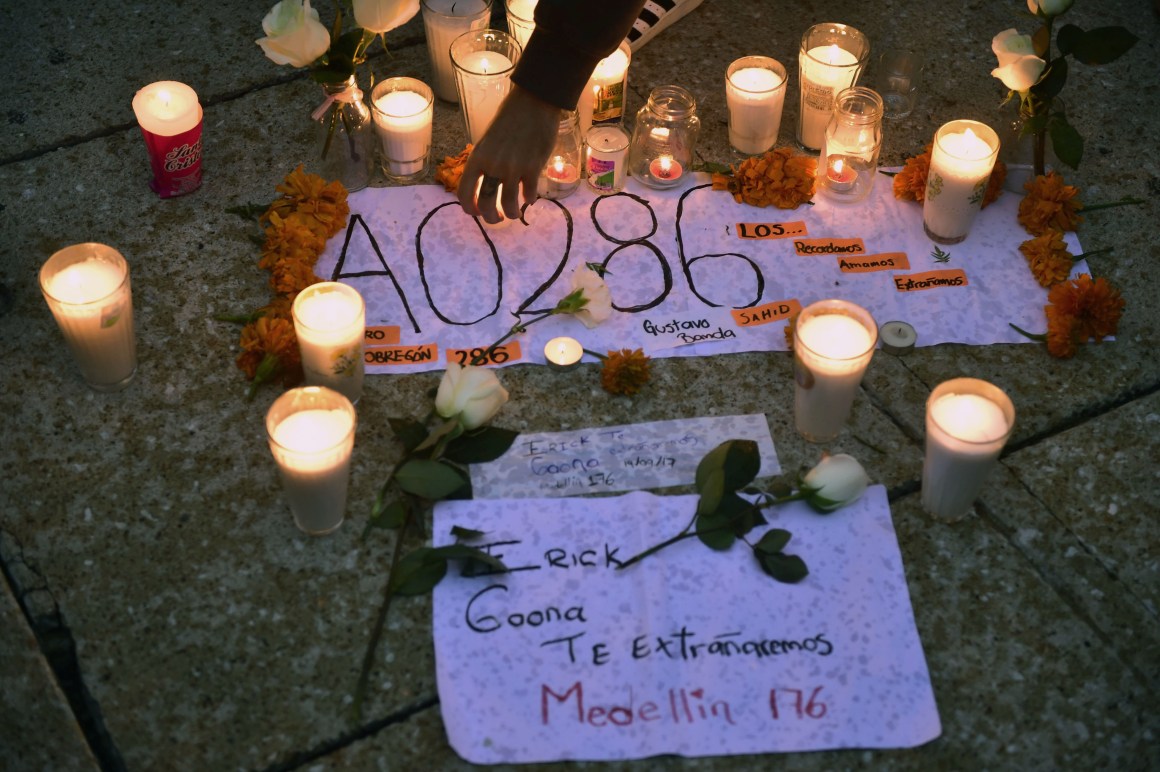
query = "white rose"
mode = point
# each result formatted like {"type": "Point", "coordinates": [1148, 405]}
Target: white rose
{"type": "Point", "coordinates": [294, 35]}
{"type": "Point", "coordinates": [1019, 68]}
{"type": "Point", "coordinates": [471, 393]}
{"type": "Point", "coordinates": [835, 482]}
{"type": "Point", "coordinates": [1048, 7]}
{"type": "Point", "coordinates": [380, 16]}
{"type": "Point", "coordinates": [599, 305]}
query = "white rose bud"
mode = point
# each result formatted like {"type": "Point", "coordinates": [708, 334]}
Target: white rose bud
{"type": "Point", "coordinates": [294, 35]}
{"type": "Point", "coordinates": [381, 16]}
{"type": "Point", "coordinates": [599, 305]}
{"type": "Point", "coordinates": [1019, 68]}
{"type": "Point", "coordinates": [473, 394]}
{"type": "Point", "coordinates": [835, 482]}
{"type": "Point", "coordinates": [1048, 7]}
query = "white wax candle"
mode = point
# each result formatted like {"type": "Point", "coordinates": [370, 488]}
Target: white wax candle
{"type": "Point", "coordinates": [90, 300]}
{"type": "Point", "coordinates": [330, 322]}
{"type": "Point", "coordinates": [960, 165]}
{"type": "Point", "coordinates": [484, 80]}
{"type": "Point", "coordinates": [167, 108]}
{"type": "Point", "coordinates": [755, 97]}
{"type": "Point", "coordinates": [563, 353]}
{"type": "Point", "coordinates": [312, 449]}
{"type": "Point", "coordinates": [607, 156]}
{"type": "Point", "coordinates": [403, 121]}
{"type": "Point", "coordinates": [831, 352]}
{"type": "Point", "coordinates": [443, 21]}
{"type": "Point", "coordinates": [521, 20]}
{"type": "Point", "coordinates": [606, 85]}
{"type": "Point", "coordinates": [825, 70]}
{"type": "Point", "coordinates": [965, 433]}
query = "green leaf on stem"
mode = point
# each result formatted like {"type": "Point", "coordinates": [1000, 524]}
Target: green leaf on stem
{"type": "Point", "coordinates": [711, 487]}
{"type": "Point", "coordinates": [789, 569]}
{"type": "Point", "coordinates": [409, 431]}
{"type": "Point", "coordinates": [1102, 45]}
{"type": "Point", "coordinates": [418, 572]}
{"type": "Point", "coordinates": [1041, 41]}
{"type": "Point", "coordinates": [714, 532]}
{"type": "Point", "coordinates": [429, 479]}
{"type": "Point", "coordinates": [1065, 140]}
{"type": "Point", "coordinates": [476, 561]}
{"type": "Point", "coordinates": [773, 541]}
{"type": "Point", "coordinates": [738, 461]}
{"type": "Point", "coordinates": [480, 446]}
{"type": "Point", "coordinates": [391, 516]}
{"type": "Point", "coordinates": [470, 534]}
{"type": "Point", "coordinates": [1052, 80]}
{"type": "Point", "coordinates": [1067, 39]}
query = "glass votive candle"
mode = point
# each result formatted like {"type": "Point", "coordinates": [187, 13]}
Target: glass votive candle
{"type": "Point", "coordinates": [968, 421]}
{"type": "Point", "coordinates": [521, 20]}
{"type": "Point", "coordinates": [561, 175]}
{"type": "Point", "coordinates": [403, 109]}
{"type": "Point", "coordinates": [311, 434]}
{"type": "Point", "coordinates": [755, 95]}
{"type": "Point", "coordinates": [484, 61]}
{"type": "Point", "coordinates": [443, 22]}
{"type": "Point", "coordinates": [833, 341]}
{"type": "Point", "coordinates": [606, 158]}
{"type": "Point", "coordinates": [87, 289]}
{"type": "Point", "coordinates": [664, 137]}
{"type": "Point", "coordinates": [849, 159]}
{"type": "Point", "coordinates": [961, 161]}
{"type": "Point", "coordinates": [330, 323]}
{"type": "Point", "coordinates": [830, 59]}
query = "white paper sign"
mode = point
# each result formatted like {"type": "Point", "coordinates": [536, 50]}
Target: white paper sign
{"type": "Point", "coordinates": [439, 284]}
{"type": "Point", "coordinates": [658, 454]}
{"type": "Point", "coordinates": [691, 652]}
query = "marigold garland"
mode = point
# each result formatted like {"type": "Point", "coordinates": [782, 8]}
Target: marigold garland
{"type": "Point", "coordinates": [1049, 204]}
{"type": "Point", "coordinates": [778, 178]}
{"type": "Point", "coordinates": [1048, 258]}
{"type": "Point", "coordinates": [625, 371]}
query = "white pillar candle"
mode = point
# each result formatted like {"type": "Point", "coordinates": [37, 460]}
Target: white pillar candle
{"type": "Point", "coordinates": [521, 19]}
{"type": "Point", "coordinates": [483, 63]}
{"type": "Point", "coordinates": [563, 353]}
{"type": "Point", "coordinates": [968, 422]}
{"type": "Point", "coordinates": [825, 71]}
{"type": "Point", "coordinates": [170, 118]}
{"type": "Point", "coordinates": [961, 161]}
{"type": "Point", "coordinates": [403, 111]}
{"type": "Point", "coordinates": [330, 322]}
{"type": "Point", "coordinates": [167, 108]}
{"type": "Point", "coordinates": [443, 22]}
{"type": "Point", "coordinates": [755, 95]}
{"type": "Point", "coordinates": [311, 434]}
{"type": "Point", "coordinates": [87, 289]}
{"type": "Point", "coordinates": [833, 343]}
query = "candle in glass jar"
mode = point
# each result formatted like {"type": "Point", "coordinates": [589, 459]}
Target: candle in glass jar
{"type": "Point", "coordinates": [443, 22]}
{"type": "Point", "coordinates": [561, 178]}
{"type": "Point", "coordinates": [521, 20]}
{"type": "Point", "coordinates": [840, 176]}
{"type": "Point", "coordinates": [755, 96]}
{"type": "Point", "coordinates": [330, 322]}
{"type": "Point", "coordinates": [665, 167]}
{"type": "Point", "coordinates": [483, 79]}
{"type": "Point", "coordinates": [607, 85]}
{"type": "Point", "coordinates": [403, 110]}
{"type": "Point", "coordinates": [606, 158]}
{"type": "Point", "coordinates": [968, 422]}
{"type": "Point", "coordinates": [961, 161]}
{"type": "Point", "coordinates": [833, 343]}
{"type": "Point", "coordinates": [825, 71]}
{"type": "Point", "coordinates": [563, 353]}
{"type": "Point", "coordinates": [311, 434]}
{"type": "Point", "coordinates": [87, 289]}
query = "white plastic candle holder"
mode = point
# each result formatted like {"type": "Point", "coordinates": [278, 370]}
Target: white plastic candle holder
{"type": "Point", "coordinates": [833, 342]}
{"type": "Point", "coordinates": [968, 421]}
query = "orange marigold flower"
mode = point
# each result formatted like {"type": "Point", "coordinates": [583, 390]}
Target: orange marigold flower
{"type": "Point", "coordinates": [1062, 335]}
{"type": "Point", "coordinates": [995, 184]}
{"type": "Point", "coordinates": [289, 239]}
{"type": "Point", "coordinates": [777, 178]}
{"type": "Point", "coordinates": [1048, 258]}
{"type": "Point", "coordinates": [1049, 204]}
{"type": "Point", "coordinates": [1096, 306]}
{"type": "Point", "coordinates": [625, 371]}
{"type": "Point", "coordinates": [910, 182]}
{"type": "Point", "coordinates": [274, 336]}
{"type": "Point", "coordinates": [451, 170]}
{"type": "Point", "coordinates": [319, 205]}
{"type": "Point", "coordinates": [289, 277]}
{"type": "Point", "coordinates": [790, 324]}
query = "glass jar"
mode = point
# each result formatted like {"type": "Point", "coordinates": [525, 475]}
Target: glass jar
{"type": "Point", "coordinates": [849, 158]}
{"type": "Point", "coordinates": [346, 135]}
{"type": "Point", "coordinates": [663, 139]}
{"type": "Point", "coordinates": [561, 176]}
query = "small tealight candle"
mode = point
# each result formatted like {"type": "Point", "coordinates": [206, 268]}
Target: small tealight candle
{"type": "Point", "coordinates": [330, 322]}
{"type": "Point", "coordinates": [665, 167]}
{"type": "Point", "coordinates": [563, 353]}
{"type": "Point", "coordinates": [311, 434]}
{"type": "Point", "coordinates": [968, 422]}
{"type": "Point", "coordinates": [897, 338]}
{"type": "Point", "coordinates": [562, 178]}
{"type": "Point", "coordinates": [839, 175]}
{"type": "Point", "coordinates": [87, 289]}
{"type": "Point", "coordinates": [833, 343]}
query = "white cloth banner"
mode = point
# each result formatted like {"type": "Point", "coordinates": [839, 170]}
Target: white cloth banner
{"type": "Point", "coordinates": [691, 652]}
{"type": "Point", "coordinates": [692, 272]}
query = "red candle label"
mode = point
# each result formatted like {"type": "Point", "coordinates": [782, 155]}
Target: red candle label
{"type": "Point", "coordinates": [175, 160]}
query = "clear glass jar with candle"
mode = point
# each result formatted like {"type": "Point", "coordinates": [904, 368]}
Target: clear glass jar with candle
{"type": "Point", "coordinates": [830, 59]}
{"type": "Point", "coordinates": [561, 175]}
{"type": "Point", "coordinates": [664, 137]}
{"type": "Point", "coordinates": [961, 161]}
{"type": "Point", "coordinates": [346, 135]}
{"type": "Point", "coordinates": [849, 158]}
{"type": "Point", "coordinates": [484, 61]}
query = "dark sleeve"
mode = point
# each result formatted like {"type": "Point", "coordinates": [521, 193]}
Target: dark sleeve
{"type": "Point", "coordinates": [570, 39]}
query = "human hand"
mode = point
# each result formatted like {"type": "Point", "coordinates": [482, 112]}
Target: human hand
{"type": "Point", "coordinates": [511, 154]}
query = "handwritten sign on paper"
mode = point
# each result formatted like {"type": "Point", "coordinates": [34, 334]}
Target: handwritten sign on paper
{"type": "Point", "coordinates": [447, 283]}
{"type": "Point", "coordinates": [658, 454]}
{"type": "Point", "coordinates": [691, 652]}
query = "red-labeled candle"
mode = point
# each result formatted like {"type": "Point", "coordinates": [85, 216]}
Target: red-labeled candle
{"type": "Point", "coordinates": [170, 118]}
